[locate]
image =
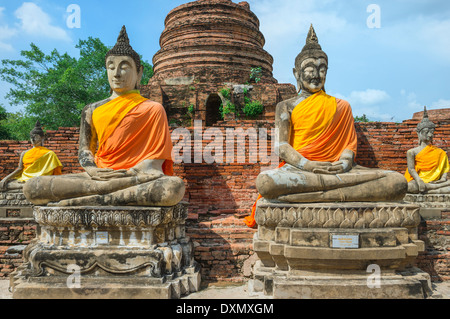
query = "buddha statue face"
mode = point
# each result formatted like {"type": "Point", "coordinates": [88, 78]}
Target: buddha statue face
{"type": "Point", "coordinates": [123, 75]}
{"type": "Point", "coordinates": [37, 135]}
{"type": "Point", "coordinates": [36, 139]}
{"type": "Point", "coordinates": [426, 135]}
{"type": "Point", "coordinates": [311, 74]}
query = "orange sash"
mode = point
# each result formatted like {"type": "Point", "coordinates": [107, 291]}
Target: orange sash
{"type": "Point", "coordinates": [322, 128]}
{"type": "Point", "coordinates": [39, 161]}
{"type": "Point", "coordinates": [431, 164]}
{"type": "Point", "coordinates": [131, 129]}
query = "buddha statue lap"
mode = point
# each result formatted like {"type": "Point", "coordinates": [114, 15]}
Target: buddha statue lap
{"type": "Point", "coordinates": [428, 165]}
{"type": "Point", "coordinates": [37, 161]}
{"type": "Point", "coordinates": [132, 164]}
{"type": "Point", "coordinates": [318, 144]}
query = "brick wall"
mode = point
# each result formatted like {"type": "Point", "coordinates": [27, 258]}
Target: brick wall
{"type": "Point", "coordinates": [435, 232]}
{"type": "Point", "coordinates": [14, 235]}
{"type": "Point", "coordinates": [221, 194]}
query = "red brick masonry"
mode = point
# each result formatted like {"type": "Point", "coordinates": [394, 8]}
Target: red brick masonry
{"type": "Point", "coordinates": [221, 194]}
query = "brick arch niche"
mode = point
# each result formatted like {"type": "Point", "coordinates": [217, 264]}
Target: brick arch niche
{"type": "Point", "coordinates": [212, 107]}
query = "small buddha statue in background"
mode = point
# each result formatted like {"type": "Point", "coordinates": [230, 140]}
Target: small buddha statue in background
{"type": "Point", "coordinates": [125, 147]}
{"type": "Point", "coordinates": [427, 164]}
{"type": "Point", "coordinates": [318, 144]}
{"type": "Point", "coordinates": [37, 161]}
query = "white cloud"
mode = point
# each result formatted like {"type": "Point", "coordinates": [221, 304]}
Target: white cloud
{"type": "Point", "coordinates": [34, 21]}
{"type": "Point", "coordinates": [411, 100]}
{"type": "Point", "coordinates": [440, 104]}
{"type": "Point", "coordinates": [430, 36]}
{"type": "Point", "coordinates": [289, 19]}
{"type": "Point", "coordinates": [5, 34]}
{"type": "Point", "coordinates": [368, 102]}
{"type": "Point", "coordinates": [366, 98]}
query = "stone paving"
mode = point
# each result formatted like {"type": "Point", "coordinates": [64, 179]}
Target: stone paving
{"type": "Point", "coordinates": [232, 291]}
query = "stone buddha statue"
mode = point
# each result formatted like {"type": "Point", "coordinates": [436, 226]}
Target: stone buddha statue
{"type": "Point", "coordinates": [427, 165]}
{"type": "Point", "coordinates": [37, 161]}
{"type": "Point", "coordinates": [125, 147]}
{"type": "Point", "coordinates": [318, 144]}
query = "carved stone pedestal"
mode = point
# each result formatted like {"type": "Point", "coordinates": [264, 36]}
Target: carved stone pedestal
{"type": "Point", "coordinates": [14, 204]}
{"type": "Point", "coordinates": [431, 205]}
{"type": "Point", "coordinates": [338, 250]}
{"type": "Point", "coordinates": [108, 252]}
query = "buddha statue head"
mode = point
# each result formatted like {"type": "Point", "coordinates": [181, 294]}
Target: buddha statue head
{"type": "Point", "coordinates": [123, 65]}
{"type": "Point", "coordinates": [311, 65]}
{"type": "Point", "coordinates": [37, 135]}
{"type": "Point", "coordinates": [425, 129]}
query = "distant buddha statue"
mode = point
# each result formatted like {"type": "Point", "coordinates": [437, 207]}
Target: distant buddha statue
{"type": "Point", "coordinates": [427, 165]}
{"type": "Point", "coordinates": [318, 144]}
{"type": "Point", "coordinates": [37, 161]}
{"type": "Point", "coordinates": [125, 147]}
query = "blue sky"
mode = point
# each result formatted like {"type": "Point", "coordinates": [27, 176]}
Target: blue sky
{"type": "Point", "coordinates": [387, 58]}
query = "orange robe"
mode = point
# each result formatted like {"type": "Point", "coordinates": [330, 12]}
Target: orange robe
{"type": "Point", "coordinates": [131, 129]}
{"type": "Point", "coordinates": [322, 127]}
{"type": "Point", "coordinates": [431, 164]}
{"type": "Point", "coordinates": [39, 161]}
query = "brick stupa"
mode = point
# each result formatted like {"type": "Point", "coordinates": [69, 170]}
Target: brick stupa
{"type": "Point", "coordinates": [206, 46]}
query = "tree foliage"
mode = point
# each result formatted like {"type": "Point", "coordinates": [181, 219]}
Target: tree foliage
{"type": "Point", "coordinates": [4, 135]}
{"type": "Point", "coordinates": [362, 118]}
{"type": "Point", "coordinates": [55, 87]}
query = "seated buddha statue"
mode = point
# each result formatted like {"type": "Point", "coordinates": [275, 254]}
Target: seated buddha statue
{"type": "Point", "coordinates": [427, 164]}
{"type": "Point", "coordinates": [124, 147]}
{"type": "Point", "coordinates": [318, 144]}
{"type": "Point", "coordinates": [37, 161]}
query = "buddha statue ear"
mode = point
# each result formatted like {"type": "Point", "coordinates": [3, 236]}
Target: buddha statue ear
{"type": "Point", "coordinates": [297, 75]}
{"type": "Point", "coordinates": [139, 77]}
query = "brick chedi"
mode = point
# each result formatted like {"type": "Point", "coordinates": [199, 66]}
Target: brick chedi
{"type": "Point", "coordinates": [208, 46]}
{"type": "Point", "coordinates": [214, 41]}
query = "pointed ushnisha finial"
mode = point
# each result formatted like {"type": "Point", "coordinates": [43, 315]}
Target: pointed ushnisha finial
{"type": "Point", "coordinates": [37, 129]}
{"type": "Point", "coordinates": [123, 48]}
{"type": "Point", "coordinates": [425, 123]}
{"type": "Point", "coordinates": [123, 37]}
{"type": "Point", "coordinates": [425, 112]}
{"type": "Point", "coordinates": [312, 48]}
{"type": "Point", "coordinates": [312, 36]}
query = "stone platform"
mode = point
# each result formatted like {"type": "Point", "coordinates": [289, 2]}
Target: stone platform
{"type": "Point", "coordinates": [329, 250]}
{"type": "Point", "coordinates": [429, 200]}
{"type": "Point", "coordinates": [108, 252]}
{"type": "Point", "coordinates": [13, 204]}
{"type": "Point", "coordinates": [431, 205]}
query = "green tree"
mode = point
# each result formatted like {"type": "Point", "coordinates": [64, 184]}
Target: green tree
{"type": "Point", "coordinates": [17, 126]}
{"type": "Point", "coordinates": [4, 135]}
{"type": "Point", "coordinates": [362, 118]}
{"type": "Point", "coordinates": [55, 87]}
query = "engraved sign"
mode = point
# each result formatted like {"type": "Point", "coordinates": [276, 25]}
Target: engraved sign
{"type": "Point", "coordinates": [344, 241]}
{"type": "Point", "coordinates": [102, 237]}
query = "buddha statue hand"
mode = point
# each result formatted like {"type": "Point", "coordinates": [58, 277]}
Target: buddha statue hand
{"type": "Point", "coordinates": [313, 166]}
{"type": "Point", "coordinates": [422, 186]}
{"type": "Point", "coordinates": [328, 168]}
{"type": "Point", "coordinates": [339, 167]}
{"type": "Point", "coordinates": [105, 174]}
{"type": "Point", "coordinates": [144, 176]}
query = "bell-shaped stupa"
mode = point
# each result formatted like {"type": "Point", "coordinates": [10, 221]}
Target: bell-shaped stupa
{"type": "Point", "coordinates": [208, 46]}
{"type": "Point", "coordinates": [212, 40]}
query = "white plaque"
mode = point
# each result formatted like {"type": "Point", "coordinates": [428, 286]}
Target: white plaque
{"type": "Point", "coordinates": [344, 241]}
{"type": "Point", "coordinates": [102, 237]}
